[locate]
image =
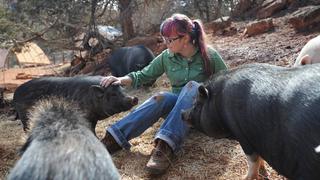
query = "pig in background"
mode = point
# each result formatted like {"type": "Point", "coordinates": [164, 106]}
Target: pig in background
{"type": "Point", "coordinates": [61, 146]}
{"type": "Point", "coordinates": [129, 59]}
{"type": "Point", "coordinates": [96, 101]}
{"type": "Point", "coordinates": [310, 53]}
{"type": "Point", "coordinates": [272, 111]}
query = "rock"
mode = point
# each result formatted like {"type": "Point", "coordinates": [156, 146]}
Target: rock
{"type": "Point", "coordinates": [305, 18]}
{"type": "Point", "coordinates": [258, 27]}
{"type": "Point", "coordinates": [229, 31]}
{"type": "Point", "coordinates": [24, 76]}
{"type": "Point", "coordinates": [269, 7]}
{"type": "Point", "coordinates": [219, 24]}
{"type": "Point", "coordinates": [241, 8]}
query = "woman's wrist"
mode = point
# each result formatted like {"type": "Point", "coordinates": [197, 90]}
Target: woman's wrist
{"type": "Point", "coordinates": [125, 80]}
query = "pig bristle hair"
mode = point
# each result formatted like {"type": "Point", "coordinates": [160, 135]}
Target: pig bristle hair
{"type": "Point", "coordinates": [49, 109]}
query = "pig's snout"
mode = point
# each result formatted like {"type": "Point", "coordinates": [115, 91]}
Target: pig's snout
{"type": "Point", "coordinates": [134, 101]}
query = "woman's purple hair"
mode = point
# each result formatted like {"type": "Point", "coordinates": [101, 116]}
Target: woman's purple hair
{"type": "Point", "coordinates": [180, 25]}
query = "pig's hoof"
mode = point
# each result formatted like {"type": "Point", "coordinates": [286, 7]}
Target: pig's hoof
{"type": "Point", "coordinates": [252, 177]}
{"type": "Point", "coordinates": [263, 174]}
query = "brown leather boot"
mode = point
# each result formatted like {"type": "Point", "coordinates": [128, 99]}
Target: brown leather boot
{"type": "Point", "coordinates": [161, 158]}
{"type": "Point", "coordinates": [110, 143]}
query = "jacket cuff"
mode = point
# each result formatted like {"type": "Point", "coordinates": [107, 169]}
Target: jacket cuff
{"type": "Point", "coordinates": [134, 83]}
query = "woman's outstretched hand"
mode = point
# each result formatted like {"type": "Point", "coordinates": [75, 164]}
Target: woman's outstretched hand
{"type": "Point", "coordinates": [106, 81]}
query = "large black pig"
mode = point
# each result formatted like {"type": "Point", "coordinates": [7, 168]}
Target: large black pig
{"type": "Point", "coordinates": [129, 59]}
{"type": "Point", "coordinates": [61, 145]}
{"type": "Point", "coordinates": [98, 102]}
{"type": "Point", "coordinates": [272, 111]}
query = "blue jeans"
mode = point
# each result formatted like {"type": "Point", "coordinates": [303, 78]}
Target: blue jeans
{"type": "Point", "coordinates": [164, 104]}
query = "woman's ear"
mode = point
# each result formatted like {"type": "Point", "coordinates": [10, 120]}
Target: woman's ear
{"type": "Point", "coordinates": [186, 38]}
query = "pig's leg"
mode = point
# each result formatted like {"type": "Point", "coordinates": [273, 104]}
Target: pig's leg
{"type": "Point", "coordinates": [263, 171]}
{"type": "Point", "coordinates": [254, 162]}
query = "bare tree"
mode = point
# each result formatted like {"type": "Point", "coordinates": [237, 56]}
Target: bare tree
{"type": "Point", "coordinates": [203, 8]}
{"type": "Point", "coordinates": [93, 32]}
{"type": "Point", "coordinates": [125, 18]}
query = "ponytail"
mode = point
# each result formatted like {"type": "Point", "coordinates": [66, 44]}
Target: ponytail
{"type": "Point", "coordinates": [199, 39]}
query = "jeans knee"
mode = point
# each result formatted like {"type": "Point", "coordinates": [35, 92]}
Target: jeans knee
{"type": "Point", "coordinates": [161, 96]}
{"type": "Point", "coordinates": [191, 86]}
{"type": "Point", "coordinates": [192, 83]}
{"type": "Point", "coordinates": [165, 98]}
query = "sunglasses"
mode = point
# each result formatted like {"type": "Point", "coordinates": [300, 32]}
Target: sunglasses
{"type": "Point", "coordinates": [170, 40]}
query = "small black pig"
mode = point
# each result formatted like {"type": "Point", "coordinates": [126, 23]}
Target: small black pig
{"type": "Point", "coordinates": [272, 111]}
{"type": "Point", "coordinates": [128, 59]}
{"type": "Point", "coordinates": [97, 102]}
{"type": "Point", "coordinates": [61, 146]}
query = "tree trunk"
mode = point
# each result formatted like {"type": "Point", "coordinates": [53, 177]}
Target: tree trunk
{"type": "Point", "coordinates": [196, 4]}
{"type": "Point", "coordinates": [231, 6]}
{"type": "Point", "coordinates": [125, 19]}
{"type": "Point", "coordinates": [218, 10]}
{"type": "Point", "coordinates": [207, 9]}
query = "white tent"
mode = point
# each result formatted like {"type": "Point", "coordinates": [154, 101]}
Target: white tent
{"type": "Point", "coordinates": [31, 54]}
{"type": "Point", "coordinates": [29, 57]}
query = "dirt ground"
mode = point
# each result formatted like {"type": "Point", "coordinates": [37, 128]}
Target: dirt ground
{"type": "Point", "coordinates": [202, 157]}
{"type": "Point", "coordinates": [9, 80]}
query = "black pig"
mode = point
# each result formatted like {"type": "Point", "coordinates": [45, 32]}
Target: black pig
{"type": "Point", "coordinates": [272, 111]}
{"type": "Point", "coordinates": [98, 102]}
{"type": "Point", "coordinates": [128, 59]}
{"type": "Point", "coordinates": [61, 146]}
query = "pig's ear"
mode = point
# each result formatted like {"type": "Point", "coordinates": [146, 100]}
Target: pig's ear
{"type": "Point", "coordinates": [97, 91]}
{"type": "Point", "coordinates": [306, 60]}
{"type": "Point", "coordinates": [203, 92]}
